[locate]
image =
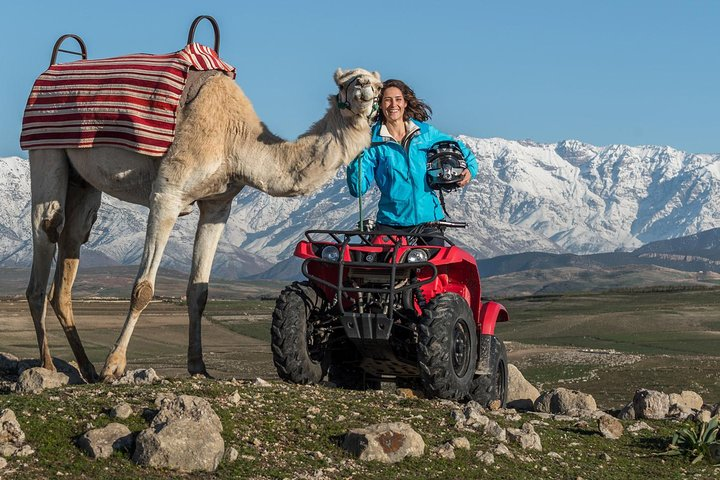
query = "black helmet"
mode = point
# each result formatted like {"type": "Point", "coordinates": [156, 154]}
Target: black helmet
{"type": "Point", "coordinates": [445, 164]}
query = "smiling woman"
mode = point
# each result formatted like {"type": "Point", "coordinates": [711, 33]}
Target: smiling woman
{"type": "Point", "coordinates": [397, 162]}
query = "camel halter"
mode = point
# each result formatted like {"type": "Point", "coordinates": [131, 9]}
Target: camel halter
{"type": "Point", "coordinates": [345, 105]}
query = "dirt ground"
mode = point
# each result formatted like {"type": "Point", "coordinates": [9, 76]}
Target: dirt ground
{"type": "Point", "coordinates": [159, 341]}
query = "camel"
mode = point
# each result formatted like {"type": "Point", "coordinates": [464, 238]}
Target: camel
{"type": "Point", "coordinates": [220, 147]}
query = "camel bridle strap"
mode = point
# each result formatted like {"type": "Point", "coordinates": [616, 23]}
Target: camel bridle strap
{"type": "Point", "coordinates": [344, 104]}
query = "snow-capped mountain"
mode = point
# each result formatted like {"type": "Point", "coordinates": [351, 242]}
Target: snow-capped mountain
{"type": "Point", "coordinates": [568, 197]}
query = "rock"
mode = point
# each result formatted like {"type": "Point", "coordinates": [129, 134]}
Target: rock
{"type": "Point", "coordinates": [406, 393]}
{"type": "Point", "coordinates": [446, 451]}
{"type": "Point", "coordinates": [3, 463]}
{"type": "Point", "coordinates": [384, 442]}
{"type": "Point", "coordinates": [10, 431]}
{"type": "Point", "coordinates": [680, 412]}
{"type": "Point", "coordinates": [8, 364]}
{"type": "Point", "coordinates": [526, 437]}
{"type": "Point", "coordinates": [102, 442]}
{"type": "Point", "coordinates": [182, 444]}
{"type": "Point", "coordinates": [502, 449]}
{"type": "Point", "coordinates": [496, 431]}
{"type": "Point", "coordinates": [686, 400]}
{"type": "Point", "coordinates": [184, 436]}
{"type": "Point", "coordinates": [604, 457]}
{"type": "Point", "coordinates": [627, 412]}
{"type": "Point", "coordinates": [610, 427]}
{"type": "Point", "coordinates": [521, 394]}
{"type": "Point", "coordinates": [186, 407]}
{"type": "Point", "coordinates": [143, 376]}
{"type": "Point", "coordinates": [554, 455]}
{"type": "Point", "coordinates": [651, 404]}
{"type": "Point", "coordinates": [121, 411]}
{"type": "Point", "coordinates": [637, 426]}
{"type": "Point", "coordinates": [485, 457]}
{"type": "Point", "coordinates": [561, 401]}
{"type": "Point", "coordinates": [37, 379]}
{"type": "Point", "coordinates": [24, 451]}
{"type": "Point", "coordinates": [703, 416]}
{"type": "Point", "coordinates": [461, 442]}
{"type": "Point", "coordinates": [231, 454]}
{"type": "Point", "coordinates": [259, 382]}
{"type": "Point", "coordinates": [68, 368]}
{"type": "Point", "coordinates": [473, 413]}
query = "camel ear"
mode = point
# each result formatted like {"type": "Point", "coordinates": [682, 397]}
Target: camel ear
{"type": "Point", "coordinates": [338, 75]}
{"type": "Point", "coordinates": [377, 75]}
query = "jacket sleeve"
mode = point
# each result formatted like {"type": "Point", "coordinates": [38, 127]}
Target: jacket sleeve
{"type": "Point", "coordinates": [360, 173]}
{"type": "Point", "coordinates": [472, 163]}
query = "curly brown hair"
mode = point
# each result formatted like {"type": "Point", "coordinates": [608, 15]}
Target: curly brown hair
{"type": "Point", "coordinates": [416, 108]}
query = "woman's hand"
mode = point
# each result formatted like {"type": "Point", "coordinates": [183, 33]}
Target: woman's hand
{"type": "Point", "coordinates": [465, 179]}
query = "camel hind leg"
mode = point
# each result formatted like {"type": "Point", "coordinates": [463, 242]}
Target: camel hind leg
{"type": "Point", "coordinates": [82, 204]}
{"type": "Point", "coordinates": [48, 184]}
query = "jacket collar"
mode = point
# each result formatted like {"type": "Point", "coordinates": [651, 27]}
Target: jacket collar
{"type": "Point", "coordinates": [380, 132]}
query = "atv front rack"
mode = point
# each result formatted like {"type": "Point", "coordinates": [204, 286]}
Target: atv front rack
{"type": "Point", "coordinates": [393, 241]}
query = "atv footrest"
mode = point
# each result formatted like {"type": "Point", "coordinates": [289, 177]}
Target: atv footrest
{"type": "Point", "coordinates": [367, 326]}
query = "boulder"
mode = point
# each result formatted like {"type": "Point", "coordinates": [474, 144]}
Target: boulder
{"type": "Point", "coordinates": [8, 364]}
{"type": "Point", "coordinates": [610, 427]}
{"type": "Point", "coordinates": [627, 412]}
{"type": "Point", "coordinates": [525, 436]}
{"type": "Point", "coordinates": [686, 400]}
{"type": "Point", "coordinates": [563, 401]}
{"type": "Point", "coordinates": [495, 431]}
{"type": "Point", "coordinates": [102, 442]}
{"type": "Point", "coordinates": [461, 442]}
{"type": "Point", "coordinates": [188, 407]}
{"type": "Point", "coordinates": [143, 376]}
{"type": "Point", "coordinates": [37, 379]}
{"type": "Point", "coordinates": [184, 435]}
{"type": "Point", "coordinates": [11, 435]}
{"type": "Point", "coordinates": [121, 410]}
{"type": "Point", "coordinates": [446, 451]}
{"type": "Point", "coordinates": [184, 445]}
{"type": "Point", "coordinates": [485, 457]}
{"type": "Point", "coordinates": [651, 404]}
{"type": "Point", "coordinates": [384, 442]}
{"type": "Point", "coordinates": [521, 394]}
{"type": "Point", "coordinates": [61, 366]}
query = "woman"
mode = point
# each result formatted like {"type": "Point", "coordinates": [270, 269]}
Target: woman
{"type": "Point", "coordinates": [397, 158]}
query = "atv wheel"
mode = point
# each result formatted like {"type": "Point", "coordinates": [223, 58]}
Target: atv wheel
{"type": "Point", "coordinates": [352, 378]}
{"type": "Point", "coordinates": [299, 349]}
{"type": "Point", "coordinates": [447, 347]}
{"type": "Point", "coordinates": [491, 385]}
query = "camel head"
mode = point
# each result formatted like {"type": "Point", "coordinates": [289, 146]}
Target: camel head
{"type": "Point", "coordinates": [358, 93]}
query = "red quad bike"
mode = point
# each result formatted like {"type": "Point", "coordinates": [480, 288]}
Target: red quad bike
{"type": "Point", "coordinates": [385, 306]}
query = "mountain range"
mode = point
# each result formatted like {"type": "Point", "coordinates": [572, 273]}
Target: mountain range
{"type": "Point", "coordinates": [567, 198]}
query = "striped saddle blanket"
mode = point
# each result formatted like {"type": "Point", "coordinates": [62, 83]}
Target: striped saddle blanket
{"type": "Point", "coordinates": [128, 102]}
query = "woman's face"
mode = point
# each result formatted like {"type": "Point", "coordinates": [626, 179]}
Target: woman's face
{"type": "Point", "coordinates": [393, 104]}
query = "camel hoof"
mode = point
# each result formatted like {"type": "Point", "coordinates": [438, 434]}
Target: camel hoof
{"type": "Point", "coordinates": [90, 375]}
{"type": "Point", "coordinates": [112, 371]}
{"type": "Point", "coordinates": [197, 369]}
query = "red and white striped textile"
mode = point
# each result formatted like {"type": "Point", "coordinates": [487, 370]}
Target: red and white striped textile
{"type": "Point", "coordinates": [128, 102]}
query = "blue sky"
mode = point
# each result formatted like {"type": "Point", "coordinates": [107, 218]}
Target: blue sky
{"type": "Point", "coordinates": [631, 72]}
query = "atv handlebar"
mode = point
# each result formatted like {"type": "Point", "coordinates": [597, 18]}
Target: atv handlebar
{"type": "Point", "coordinates": [447, 224]}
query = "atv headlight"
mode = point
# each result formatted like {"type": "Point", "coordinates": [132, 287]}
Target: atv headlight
{"type": "Point", "coordinates": [330, 253]}
{"type": "Point", "coordinates": [417, 255]}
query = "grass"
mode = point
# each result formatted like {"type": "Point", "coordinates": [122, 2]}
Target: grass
{"type": "Point", "coordinates": [278, 438]}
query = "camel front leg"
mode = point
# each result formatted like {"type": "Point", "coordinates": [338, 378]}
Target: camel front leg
{"type": "Point", "coordinates": [164, 210]}
{"type": "Point", "coordinates": [213, 216]}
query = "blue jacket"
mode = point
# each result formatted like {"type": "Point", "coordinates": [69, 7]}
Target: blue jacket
{"type": "Point", "coordinates": [405, 197]}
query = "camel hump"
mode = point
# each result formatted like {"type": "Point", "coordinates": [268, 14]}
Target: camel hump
{"type": "Point", "coordinates": [56, 48]}
{"type": "Point", "coordinates": [216, 30]}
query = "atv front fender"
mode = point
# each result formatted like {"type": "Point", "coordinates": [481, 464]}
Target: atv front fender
{"type": "Point", "coordinates": [490, 314]}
